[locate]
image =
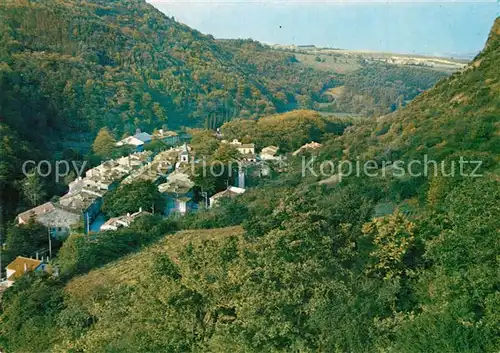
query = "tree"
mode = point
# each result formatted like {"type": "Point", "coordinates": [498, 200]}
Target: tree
{"type": "Point", "coordinates": [104, 143]}
{"type": "Point", "coordinates": [33, 189]}
{"type": "Point", "coordinates": [393, 237]}
{"type": "Point", "coordinates": [26, 240]}
{"type": "Point", "coordinates": [203, 142]}
{"type": "Point", "coordinates": [219, 171]}
{"type": "Point", "coordinates": [128, 198]}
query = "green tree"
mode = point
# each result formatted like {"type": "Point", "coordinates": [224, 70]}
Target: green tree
{"type": "Point", "coordinates": [128, 198]}
{"type": "Point", "coordinates": [34, 189]}
{"type": "Point", "coordinates": [203, 142]}
{"type": "Point", "coordinates": [26, 240]}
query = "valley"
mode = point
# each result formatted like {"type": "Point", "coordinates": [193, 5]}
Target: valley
{"type": "Point", "coordinates": [249, 198]}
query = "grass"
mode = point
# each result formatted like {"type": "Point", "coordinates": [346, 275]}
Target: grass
{"type": "Point", "coordinates": [137, 267]}
{"type": "Point", "coordinates": [336, 63]}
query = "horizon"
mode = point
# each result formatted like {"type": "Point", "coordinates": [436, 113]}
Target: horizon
{"type": "Point", "coordinates": [452, 29]}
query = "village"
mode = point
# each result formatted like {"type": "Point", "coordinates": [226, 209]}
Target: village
{"type": "Point", "coordinates": [171, 170]}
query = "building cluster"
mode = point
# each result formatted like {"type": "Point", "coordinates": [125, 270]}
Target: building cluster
{"type": "Point", "coordinates": [84, 198]}
{"type": "Point", "coordinates": [140, 139]}
{"type": "Point", "coordinates": [178, 191]}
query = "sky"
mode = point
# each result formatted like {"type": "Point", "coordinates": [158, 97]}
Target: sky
{"type": "Point", "coordinates": [446, 28]}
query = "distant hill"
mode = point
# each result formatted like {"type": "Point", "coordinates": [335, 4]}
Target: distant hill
{"type": "Point", "coordinates": [81, 65]}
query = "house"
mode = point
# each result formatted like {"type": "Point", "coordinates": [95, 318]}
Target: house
{"type": "Point", "coordinates": [179, 193]}
{"type": "Point", "coordinates": [59, 222]}
{"type": "Point", "coordinates": [137, 141]}
{"type": "Point", "coordinates": [25, 217]}
{"type": "Point", "coordinates": [169, 137]}
{"type": "Point", "coordinates": [17, 268]}
{"type": "Point", "coordinates": [309, 146]}
{"type": "Point", "coordinates": [269, 153]}
{"type": "Point", "coordinates": [134, 160]}
{"type": "Point", "coordinates": [131, 141]}
{"type": "Point", "coordinates": [115, 223]}
{"type": "Point", "coordinates": [149, 172]}
{"type": "Point", "coordinates": [87, 202]}
{"type": "Point", "coordinates": [231, 191]}
{"type": "Point", "coordinates": [243, 148]}
{"type": "Point", "coordinates": [247, 150]}
{"type": "Point", "coordinates": [52, 216]}
{"type": "Point", "coordinates": [143, 136]}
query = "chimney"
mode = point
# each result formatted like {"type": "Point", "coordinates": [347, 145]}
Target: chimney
{"type": "Point", "coordinates": [25, 267]}
{"type": "Point", "coordinates": [140, 209]}
{"type": "Point", "coordinates": [128, 214]}
{"type": "Point", "coordinates": [37, 256]}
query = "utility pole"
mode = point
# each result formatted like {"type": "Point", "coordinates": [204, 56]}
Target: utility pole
{"type": "Point", "coordinates": [50, 240]}
{"type": "Point", "coordinates": [205, 195]}
{"type": "Point", "coordinates": [88, 223]}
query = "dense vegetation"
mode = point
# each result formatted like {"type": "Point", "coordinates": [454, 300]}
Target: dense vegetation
{"type": "Point", "coordinates": [379, 89]}
{"type": "Point", "coordinates": [371, 264]}
{"type": "Point", "coordinates": [287, 131]}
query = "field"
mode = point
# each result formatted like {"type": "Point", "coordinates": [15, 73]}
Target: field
{"type": "Point", "coordinates": [137, 267]}
{"type": "Point", "coordinates": [345, 61]}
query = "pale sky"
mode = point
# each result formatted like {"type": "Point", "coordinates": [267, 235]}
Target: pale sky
{"type": "Point", "coordinates": [422, 26]}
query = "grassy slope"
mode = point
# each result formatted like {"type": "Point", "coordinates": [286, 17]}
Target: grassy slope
{"type": "Point", "coordinates": [128, 299]}
{"type": "Point", "coordinates": [135, 268]}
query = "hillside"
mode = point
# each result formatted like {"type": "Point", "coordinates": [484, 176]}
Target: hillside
{"type": "Point", "coordinates": [459, 115]}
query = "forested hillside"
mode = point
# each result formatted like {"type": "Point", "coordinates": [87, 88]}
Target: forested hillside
{"type": "Point", "coordinates": [371, 264]}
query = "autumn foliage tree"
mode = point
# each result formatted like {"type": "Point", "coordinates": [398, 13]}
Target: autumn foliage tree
{"type": "Point", "coordinates": [104, 143]}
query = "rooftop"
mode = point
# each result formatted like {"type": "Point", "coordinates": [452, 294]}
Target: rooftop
{"type": "Point", "coordinates": [81, 200]}
{"type": "Point", "coordinates": [229, 192]}
{"type": "Point", "coordinates": [35, 212]}
{"type": "Point", "coordinates": [20, 265]}
{"type": "Point", "coordinates": [178, 183]}
{"type": "Point", "coordinates": [143, 136]}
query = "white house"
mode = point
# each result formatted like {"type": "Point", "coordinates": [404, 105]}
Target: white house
{"type": "Point", "coordinates": [131, 141]}
{"type": "Point", "coordinates": [115, 223]}
{"type": "Point", "coordinates": [269, 153]}
{"type": "Point", "coordinates": [231, 191]}
{"type": "Point", "coordinates": [243, 148]}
